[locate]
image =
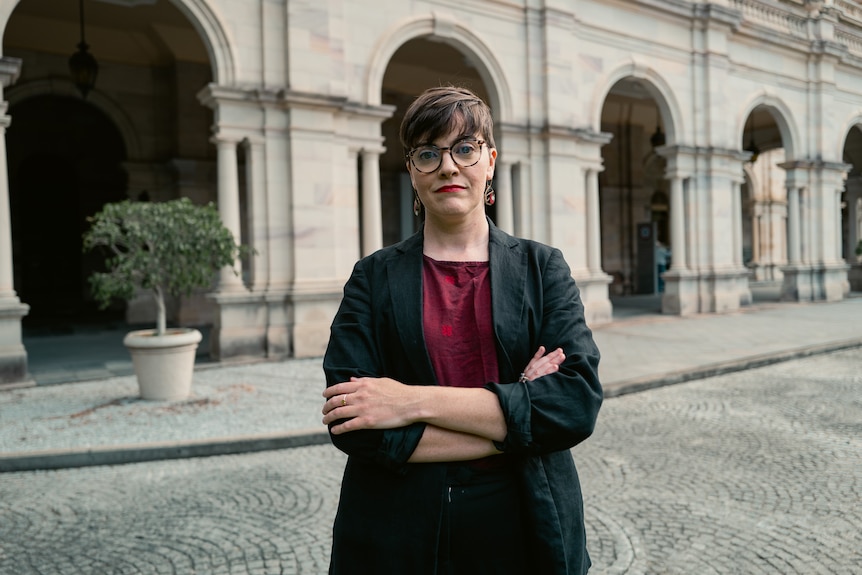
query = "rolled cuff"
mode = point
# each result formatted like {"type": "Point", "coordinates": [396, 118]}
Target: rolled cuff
{"type": "Point", "coordinates": [397, 445]}
{"type": "Point", "coordinates": [515, 400]}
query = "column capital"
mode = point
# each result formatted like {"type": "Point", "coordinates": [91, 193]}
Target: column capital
{"type": "Point", "coordinates": [220, 136]}
{"type": "Point", "coordinates": [212, 95]}
{"type": "Point", "coordinates": [10, 70]}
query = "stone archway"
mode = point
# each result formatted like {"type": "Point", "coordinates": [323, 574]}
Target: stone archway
{"type": "Point", "coordinates": [146, 91]}
{"type": "Point", "coordinates": [766, 212]}
{"type": "Point", "coordinates": [64, 162]}
{"type": "Point", "coordinates": [634, 190]}
{"type": "Point", "coordinates": [851, 208]}
{"type": "Point", "coordinates": [416, 65]}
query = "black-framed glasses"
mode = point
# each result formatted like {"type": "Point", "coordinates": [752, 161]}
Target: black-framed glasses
{"type": "Point", "coordinates": [427, 158]}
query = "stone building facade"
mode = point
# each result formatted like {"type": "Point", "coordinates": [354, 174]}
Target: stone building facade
{"type": "Point", "coordinates": [725, 132]}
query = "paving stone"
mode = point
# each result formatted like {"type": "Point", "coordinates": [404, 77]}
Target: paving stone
{"type": "Point", "coordinates": [755, 472]}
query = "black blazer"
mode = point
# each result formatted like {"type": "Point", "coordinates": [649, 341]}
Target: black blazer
{"type": "Point", "coordinates": [389, 511]}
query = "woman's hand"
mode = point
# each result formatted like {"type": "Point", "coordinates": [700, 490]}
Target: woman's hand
{"type": "Point", "coordinates": [384, 403]}
{"type": "Point", "coordinates": [369, 403]}
{"type": "Point", "coordinates": [542, 364]}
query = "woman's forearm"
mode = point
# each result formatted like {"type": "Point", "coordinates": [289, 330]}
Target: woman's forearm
{"type": "Point", "coordinates": [474, 411]}
{"type": "Point", "coordinates": [440, 445]}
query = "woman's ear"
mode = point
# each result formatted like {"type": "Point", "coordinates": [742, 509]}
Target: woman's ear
{"type": "Point", "coordinates": [410, 173]}
{"type": "Point", "coordinates": [492, 160]}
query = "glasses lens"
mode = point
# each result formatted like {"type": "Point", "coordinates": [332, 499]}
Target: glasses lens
{"type": "Point", "coordinates": [426, 158]}
{"type": "Point", "coordinates": [466, 152]}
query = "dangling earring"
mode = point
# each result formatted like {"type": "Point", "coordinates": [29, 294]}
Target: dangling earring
{"type": "Point", "coordinates": [417, 205]}
{"type": "Point", "coordinates": [490, 197]}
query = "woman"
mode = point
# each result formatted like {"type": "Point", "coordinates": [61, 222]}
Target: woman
{"type": "Point", "coordinates": [457, 424]}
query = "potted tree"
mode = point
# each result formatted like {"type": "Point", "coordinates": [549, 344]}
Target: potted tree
{"type": "Point", "coordinates": [170, 248]}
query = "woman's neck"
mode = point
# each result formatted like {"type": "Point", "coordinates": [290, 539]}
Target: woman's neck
{"type": "Point", "coordinates": [466, 242]}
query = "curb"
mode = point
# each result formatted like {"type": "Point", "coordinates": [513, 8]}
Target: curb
{"type": "Point", "coordinates": [138, 453]}
{"type": "Point", "coordinates": [636, 385]}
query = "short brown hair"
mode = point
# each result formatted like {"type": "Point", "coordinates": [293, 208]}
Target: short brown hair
{"type": "Point", "coordinates": [437, 110]}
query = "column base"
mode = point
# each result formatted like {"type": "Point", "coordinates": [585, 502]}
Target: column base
{"type": "Point", "coordinates": [14, 372]}
{"type": "Point", "coordinates": [278, 342]}
{"type": "Point", "coordinates": [312, 308]}
{"type": "Point", "coordinates": [854, 277]}
{"type": "Point", "coordinates": [834, 282]}
{"type": "Point", "coordinates": [798, 283]}
{"type": "Point", "coordinates": [828, 282]}
{"type": "Point", "coordinates": [687, 292]}
{"type": "Point", "coordinates": [680, 295]}
{"type": "Point", "coordinates": [598, 308]}
{"type": "Point", "coordinates": [239, 329]}
{"type": "Point", "coordinates": [724, 291]}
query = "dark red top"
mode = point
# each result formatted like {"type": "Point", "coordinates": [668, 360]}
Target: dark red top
{"type": "Point", "coordinates": [457, 320]}
{"type": "Point", "coordinates": [459, 329]}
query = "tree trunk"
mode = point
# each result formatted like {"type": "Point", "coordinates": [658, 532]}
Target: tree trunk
{"type": "Point", "coordinates": [161, 317]}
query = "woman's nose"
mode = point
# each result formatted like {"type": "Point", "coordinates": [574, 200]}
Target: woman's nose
{"type": "Point", "coordinates": [447, 163]}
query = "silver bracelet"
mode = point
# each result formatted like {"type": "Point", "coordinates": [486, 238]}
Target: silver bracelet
{"type": "Point", "coordinates": [523, 378]}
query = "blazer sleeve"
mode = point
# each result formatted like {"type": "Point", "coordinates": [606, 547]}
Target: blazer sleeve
{"type": "Point", "coordinates": [556, 411]}
{"type": "Point", "coordinates": [354, 351]}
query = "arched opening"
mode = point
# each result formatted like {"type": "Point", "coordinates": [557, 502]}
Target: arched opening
{"type": "Point", "coordinates": [64, 162]}
{"type": "Point", "coordinates": [634, 192]}
{"type": "Point", "coordinates": [140, 133]}
{"type": "Point", "coordinates": [764, 206]}
{"type": "Point", "coordinates": [851, 209]}
{"type": "Point", "coordinates": [417, 65]}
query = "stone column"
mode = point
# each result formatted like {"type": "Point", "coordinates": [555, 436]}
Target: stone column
{"type": "Point", "coordinates": [756, 217]}
{"type": "Point", "coordinates": [594, 233]}
{"type": "Point", "coordinates": [258, 238]}
{"type": "Point", "coordinates": [836, 210]}
{"type": "Point", "coordinates": [372, 217]}
{"type": "Point", "coordinates": [505, 197]}
{"type": "Point", "coordinates": [815, 270]}
{"type": "Point", "coordinates": [854, 232]}
{"type": "Point", "coordinates": [228, 206]}
{"type": "Point", "coordinates": [798, 283]}
{"type": "Point", "coordinates": [680, 295]}
{"type": "Point", "coordinates": [807, 253]}
{"type": "Point", "coordinates": [793, 237]}
{"type": "Point", "coordinates": [7, 290]}
{"type": "Point", "coordinates": [13, 356]}
{"type": "Point", "coordinates": [677, 225]}
{"type": "Point", "coordinates": [736, 207]}
{"type": "Point", "coordinates": [854, 217]}
{"type": "Point", "coordinates": [832, 277]}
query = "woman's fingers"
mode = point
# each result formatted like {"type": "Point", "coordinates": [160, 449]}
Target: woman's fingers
{"type": "Point", "coordinates": [368, 402]}
{"type": "Point", "coordinates": [544, 364]}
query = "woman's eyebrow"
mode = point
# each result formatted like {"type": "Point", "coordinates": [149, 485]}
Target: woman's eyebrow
{"type": "Point", "coordinates": [455, 141]}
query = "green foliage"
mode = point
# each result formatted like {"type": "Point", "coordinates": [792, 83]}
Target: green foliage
{"type": "Point", "coordinates": [859, 248]}
{"type": "Point", "coordinates": [169, 247]}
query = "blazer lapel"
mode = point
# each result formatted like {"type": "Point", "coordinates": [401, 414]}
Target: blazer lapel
{"type": "Point", "coordinates": [404, 273]}
{"type": "Point", "coordinates": [508, 290]}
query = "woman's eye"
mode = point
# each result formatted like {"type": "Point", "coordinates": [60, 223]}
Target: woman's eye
{"type": "Point", "coordinates": [427, 154]}
{"type": "Point", "coordinates": [464, 149]}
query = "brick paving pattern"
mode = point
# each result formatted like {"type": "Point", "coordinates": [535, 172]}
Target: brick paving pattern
{"type": "Point", "coordinates": [755, 472]}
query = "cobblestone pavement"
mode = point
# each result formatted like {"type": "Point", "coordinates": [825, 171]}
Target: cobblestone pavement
{"type": "Point", "coordinates": [756, 472]}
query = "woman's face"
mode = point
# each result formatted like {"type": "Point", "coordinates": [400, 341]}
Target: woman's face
{"type": "Point", "coordinates": [453, 191]}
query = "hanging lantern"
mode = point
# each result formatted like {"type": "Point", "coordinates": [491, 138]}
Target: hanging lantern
{"type": "Point", "coordinates": [82, 65]}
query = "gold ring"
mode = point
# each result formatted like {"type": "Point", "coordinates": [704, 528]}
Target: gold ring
{"type": "Point", "coordinates": [343, 400]}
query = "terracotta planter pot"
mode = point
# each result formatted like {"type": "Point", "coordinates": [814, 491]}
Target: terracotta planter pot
{"type": "Point", "coordinates": [164, 365]}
